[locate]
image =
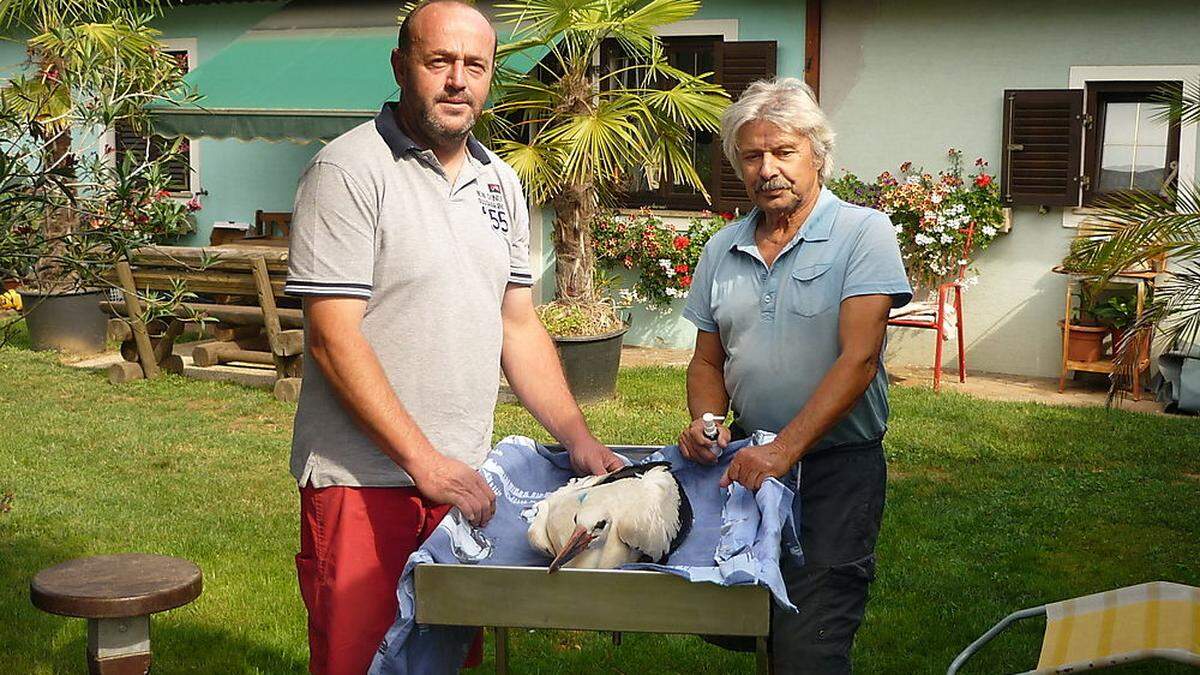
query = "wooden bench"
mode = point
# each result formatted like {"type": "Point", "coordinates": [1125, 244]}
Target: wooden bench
{"type": "Point", "coordinates": [117, 594]}
{"type": "Point", "coordinates": [259, 333]}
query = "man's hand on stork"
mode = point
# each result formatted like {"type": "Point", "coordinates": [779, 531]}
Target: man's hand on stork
{"type": "Point", "coordinates": [755, 463]}
{"type": "Point", "coordinates": [590, 457]}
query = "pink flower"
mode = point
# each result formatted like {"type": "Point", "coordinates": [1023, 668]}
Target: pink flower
{"type": "Point", "coordinates": [193, 204]}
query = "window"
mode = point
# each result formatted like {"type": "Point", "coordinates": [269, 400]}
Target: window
{"type": "Point", "coordinates": [126, 140]}
{"type": "Point", "coordinates": [694, 55]}
{"type": "Point", "coordinates": [1072, 147]}
{"type": "Point", "coordinates": [1126, 146]}
{"type": "Point", "coordinates": [734, 66]}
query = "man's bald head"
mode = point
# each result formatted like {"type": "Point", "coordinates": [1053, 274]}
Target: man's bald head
{"type": "Point", "coordinates": [408, 27]}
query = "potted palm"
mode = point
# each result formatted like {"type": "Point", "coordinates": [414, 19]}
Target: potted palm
{"type": "Point", "coordinates": [69, 211]}
{"type": "Point", "coordinates": [573, 132]}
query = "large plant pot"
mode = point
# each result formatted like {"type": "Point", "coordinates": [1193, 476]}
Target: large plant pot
{"type": "Point", "coordinates": [591, 364]}
{"type": "Point", "coordinates": [1085, 343]}
{"type": "Point", "coordinates": [68, 322]}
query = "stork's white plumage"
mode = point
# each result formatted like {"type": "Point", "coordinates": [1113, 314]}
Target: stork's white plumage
{"type": "Point", "coordinates": [602, 522]}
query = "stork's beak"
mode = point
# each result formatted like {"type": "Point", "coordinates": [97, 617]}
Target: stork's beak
{"type": "Point", "coordinates": [580, 539]}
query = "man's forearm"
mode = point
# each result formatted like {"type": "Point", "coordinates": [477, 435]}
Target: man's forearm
{"type": "Point", "coordinates": [833, 398]}
{"type": "Point", "coordinates": [535, 375]}
{"type": "Point", "coordinates": [368, 395]}
{"type": "Point", "coordinates": [706, 389]}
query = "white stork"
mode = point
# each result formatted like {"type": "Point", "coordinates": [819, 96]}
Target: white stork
{"type": "Point", "coordinates": [602, 522]}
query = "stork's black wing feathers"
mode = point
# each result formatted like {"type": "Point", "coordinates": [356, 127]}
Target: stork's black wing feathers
{"type": "Point", "coordinates": [632, 471]}
{"type": "Point", "coordinates": [685, 506]}
{"type": "Point", "coordinates": [685, 520]}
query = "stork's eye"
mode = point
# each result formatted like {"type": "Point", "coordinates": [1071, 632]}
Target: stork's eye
{"type": "Point", "coordinates": [600, 525]}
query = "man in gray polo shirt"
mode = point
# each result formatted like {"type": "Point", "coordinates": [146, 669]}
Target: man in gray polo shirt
{"type": "Point", "coordinates": [410, 247]}
{"type": "Point", "coordinates": [791, 304]}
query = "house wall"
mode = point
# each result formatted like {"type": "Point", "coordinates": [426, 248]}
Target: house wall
{"type": "Point", "coordinates": [239, 176]}
{"type": "Point", "coordinates": [906, 79]}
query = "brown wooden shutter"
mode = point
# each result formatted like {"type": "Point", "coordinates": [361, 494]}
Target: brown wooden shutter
{"type": "Point", "coordinates": [742, 63]}
{"type": "Point", "coordinates": [1042, 144]}
{"type": "Point", "coordinates": [140, 147]}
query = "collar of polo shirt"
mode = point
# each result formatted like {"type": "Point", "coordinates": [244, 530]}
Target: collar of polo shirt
{"type": "Point", "coordinates": [400, 143]}
{"type": "Point", "coordinates": [816, 228]}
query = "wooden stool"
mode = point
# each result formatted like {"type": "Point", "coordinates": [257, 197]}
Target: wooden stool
{"type": "Point", "coordinates": [117, 594]}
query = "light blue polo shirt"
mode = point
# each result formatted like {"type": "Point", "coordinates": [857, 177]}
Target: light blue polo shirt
{"type": "Point", "coordinates": [779, 325]}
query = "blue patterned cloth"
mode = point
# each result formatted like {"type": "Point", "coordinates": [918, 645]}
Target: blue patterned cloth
{"type": "Point", "coordinates": [737, 537]}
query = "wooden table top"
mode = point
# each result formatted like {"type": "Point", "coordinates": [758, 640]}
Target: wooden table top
{"type": "Point", "coordinates": [116, 586]}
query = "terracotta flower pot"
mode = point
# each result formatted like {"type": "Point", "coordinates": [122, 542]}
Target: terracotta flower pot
{"type": "Point", "coordinates": [1085, 343]}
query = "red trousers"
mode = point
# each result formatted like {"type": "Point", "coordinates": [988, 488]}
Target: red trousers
{"type": "Point", "coordinates": [354, 543]}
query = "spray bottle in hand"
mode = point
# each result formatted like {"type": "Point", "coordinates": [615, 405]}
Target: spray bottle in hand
{"type": "Point", "coordinates": [711, 432]}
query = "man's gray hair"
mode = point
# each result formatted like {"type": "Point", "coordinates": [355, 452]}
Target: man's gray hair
{"type": "Point", "coordinates": [790, 105]}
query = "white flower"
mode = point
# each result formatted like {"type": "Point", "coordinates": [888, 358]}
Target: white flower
{"type": "Point", "coordinates": [664, 263]}
{"type": "Point", "coordinates": [672, 292]}
{"type": "Point", "coordinates": [899, 228]}
{"type": "Point", "coordinates": [935, 198]}
{"type": "Point", "coordinates": [989, 231]}
{"type": "Point", "coordinates": [923, 239]}
{"type": "Point", "coordinates": [913, 180]}
{"type": "Point", "coordinates": [946, 239]}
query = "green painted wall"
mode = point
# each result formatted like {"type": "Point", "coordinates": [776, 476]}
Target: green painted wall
{"type": "Point", "coordinates": [240, 177]}
{"type": "Point", "coordinates": [906, 79]}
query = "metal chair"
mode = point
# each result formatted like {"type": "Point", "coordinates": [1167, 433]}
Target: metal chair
{"type": "Point", "coordinates": [1159, 619]}
{"type": "Point", "coordinates": [933, 315]}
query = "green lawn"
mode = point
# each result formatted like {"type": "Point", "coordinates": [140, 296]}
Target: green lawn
{"type": "Point", "coordinates": [991, 507]}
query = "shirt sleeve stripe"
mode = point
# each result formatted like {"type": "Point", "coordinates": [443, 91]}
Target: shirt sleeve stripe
{"type": "Point", "coordinates": [328, 284]}
{"type": "Point", "coordinates": [330, 290]}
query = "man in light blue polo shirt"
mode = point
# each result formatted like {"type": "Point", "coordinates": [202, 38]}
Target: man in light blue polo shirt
{"type": "Point", "coordinates": [791, 306]}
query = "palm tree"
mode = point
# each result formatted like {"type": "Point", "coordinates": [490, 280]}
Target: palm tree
{"type": "Point", "coordinates": [1133, 229]}
{"type": "Point", "coordinates": [574, 132]}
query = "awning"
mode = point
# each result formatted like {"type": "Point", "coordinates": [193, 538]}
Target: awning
{"type": "Point", "coordinates": [294, 85]}
{"type": "Point", "coordinates": [299, 86]}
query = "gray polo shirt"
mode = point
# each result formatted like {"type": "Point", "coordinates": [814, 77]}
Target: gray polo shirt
{"type": "Point", "coordinates": [779, 325]}
{"type": "Point", "coordinates": [376, 218]}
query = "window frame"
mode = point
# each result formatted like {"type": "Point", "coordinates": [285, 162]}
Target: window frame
{"type": "Point", "coordinates": [186, 46]}
{"type": "Point", "coordinates": [1096, 97]}
{"type": "Point", "coordinates": [1080, 76]}
{"type": "Point", "coordinates": [664, 197]}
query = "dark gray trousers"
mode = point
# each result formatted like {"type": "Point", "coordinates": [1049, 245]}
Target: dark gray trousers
{"type": "Point", "coordinates": [840, 509]}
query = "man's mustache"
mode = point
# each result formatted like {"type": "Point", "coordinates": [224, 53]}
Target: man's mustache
{"type": "Point", "coordinates": [461, 98]}
{"type": "Point", "coordinates": [775, 183]}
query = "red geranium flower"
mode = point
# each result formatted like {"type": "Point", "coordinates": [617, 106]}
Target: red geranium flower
{"type": "Point", "coordinates": [681, 242]}
{"type": "Point", "coordinates": [983, 180]}
{"type": "Point", "coordinates": [685, 281]}
{"type": "Point", "coordinates": [681, 268]}
{"type": "Point", "coordinates": [727, 215]}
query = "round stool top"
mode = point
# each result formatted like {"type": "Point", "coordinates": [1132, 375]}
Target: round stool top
{"type": "Point", "coordinates": [116, 586]}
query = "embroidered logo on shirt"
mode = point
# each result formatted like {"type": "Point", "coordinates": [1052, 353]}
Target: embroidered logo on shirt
{"type": "Point", "coordinates": [492, 203]}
